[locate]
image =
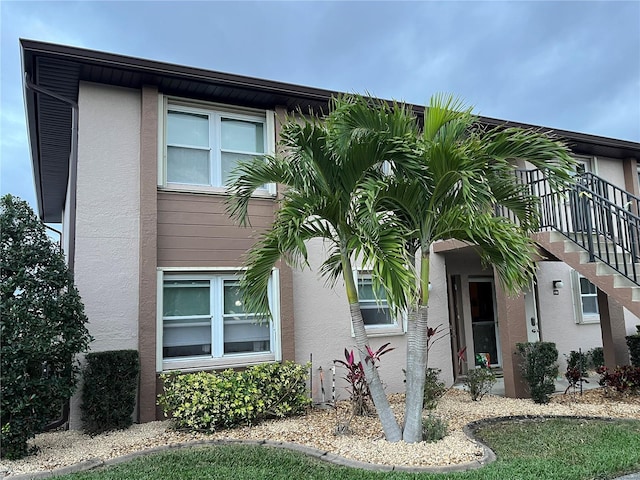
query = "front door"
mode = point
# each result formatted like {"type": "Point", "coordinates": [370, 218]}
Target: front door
{"type": "Point", "coordinates": [483, 321]}
{"type": "Point", "coordinates": [531, 313]}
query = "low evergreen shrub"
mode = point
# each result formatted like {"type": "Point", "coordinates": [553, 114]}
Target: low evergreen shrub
{"type": "Point", "coordinates": [578, 360]}
{"type": "Point", "coordinates": [206, 401]}
{"type": "Point", "coordinates": [633, 342]}
{"type": "Point", "coordinates": [596, 357]}
{"type": "Point", "coordinates": [539, 368]}
{"type": "Point", "coordinates": [109, 391]}
{"type": "Point", "coordinates": [479, 382]}
{"type": "Point", "coordinates": [434, 428]}
{"type": "Point", "coordinates": [434, 388]}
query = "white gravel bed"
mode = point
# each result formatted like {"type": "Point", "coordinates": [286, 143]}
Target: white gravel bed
{"type": "Point", "coordinates": [317, 429]}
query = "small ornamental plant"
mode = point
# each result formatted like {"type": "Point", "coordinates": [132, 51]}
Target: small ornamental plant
{"type": "Point", "coordinates": [576, 374]}
{"type": "Point", "coordinates": [479, 382]}
{"type": "Point", "coordinates": [434, 428]}
{"type": "Point", "coordinates": [596, 357]}
{"type": "Point", "coordinates": [358, 389]}
{"type": "Point", "coordinates": [624, 379]}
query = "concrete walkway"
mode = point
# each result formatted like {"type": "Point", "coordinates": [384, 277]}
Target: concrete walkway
{"type": "Point", "coordinates": [561, 385]}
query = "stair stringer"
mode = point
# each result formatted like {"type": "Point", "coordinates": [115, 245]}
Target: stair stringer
{"type": "Point", "coordinates": [600, 274]}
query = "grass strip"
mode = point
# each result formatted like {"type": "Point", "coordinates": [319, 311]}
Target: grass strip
{"type": "Point", "coordinates": [562, 449]}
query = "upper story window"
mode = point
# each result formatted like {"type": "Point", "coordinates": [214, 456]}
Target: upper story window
{"type": "Point", "coordinates": [201, 146]}
{"type": "Point", "coordinates": [204, 323]}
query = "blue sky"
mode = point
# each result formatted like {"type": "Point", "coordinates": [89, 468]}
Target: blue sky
{"type": "Point", "coordinates": [565, 64]}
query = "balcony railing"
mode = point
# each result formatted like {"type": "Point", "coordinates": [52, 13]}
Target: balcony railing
{"type": "Point", "coordinates": [594, 214]}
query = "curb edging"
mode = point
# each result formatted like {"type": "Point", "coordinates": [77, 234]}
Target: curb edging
{"type": "Point", "coordinates": [470, 429]}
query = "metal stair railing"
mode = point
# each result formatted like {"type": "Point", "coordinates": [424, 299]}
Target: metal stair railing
{"type": "Point", "coordinates": [594, 214]}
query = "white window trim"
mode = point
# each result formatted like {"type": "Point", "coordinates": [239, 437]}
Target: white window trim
{"type": "Point", "coordinates": [186, 364]}
{"type": "Point", "coordinates": [580, 317]}
{"type": "Point", "coordinates": [215, 110]}
{"type": "Point", "coordinates": [399, 327]}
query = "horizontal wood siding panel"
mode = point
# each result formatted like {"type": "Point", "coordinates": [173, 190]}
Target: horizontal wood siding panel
{"type": "Point", "coordinates": [195, 230]}
{"type": "Point", "coordinates": [208, 231]}
{"type": "Point", "coordinates": [213, 204]}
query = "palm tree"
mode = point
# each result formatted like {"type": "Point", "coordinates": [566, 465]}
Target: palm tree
{"type": "Point", "coordinates": [326, 166]}
{"type": "Point", "coordinates": [446, 182]}
{"type": "Point", "coordinates": [466, 172]}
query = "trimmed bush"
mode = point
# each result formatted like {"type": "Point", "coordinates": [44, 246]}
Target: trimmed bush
{"type": "Point", "coordinates": [434, 388]}
{"type": "Point", "coordinates": [434, 428]}
{"type": "Point", "coordinates": [206, 401]}
{"type": "Point", "coordinates": [42, 327]}
{"type": "Point", "coordinates": [578, 360]}
{"type": "Point", "coordinates": [479, 382]}
{"type": "Point", "coordinates": [633, 342]}
{"type": "Point", "coordinates": [539, 368]}
{"type": "Point", "coordinates": [596, 357]}
{"type": "Point", "coordinates": [109, 391]}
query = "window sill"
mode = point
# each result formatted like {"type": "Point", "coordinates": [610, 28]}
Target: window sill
{"type": "Point", "coordinates": [218, 191]}
{"type": "Point", "coordinates": [386, 331]}
{"type": "Point", "coordinates": [591, 320]}
{"type": "Point", "coordinates": [197, 364]}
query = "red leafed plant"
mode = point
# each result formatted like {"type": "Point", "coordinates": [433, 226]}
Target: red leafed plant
{"type": "Point", "coordinates": [623, 379]}
{"type": "Point", "coordinates": [358, 388]}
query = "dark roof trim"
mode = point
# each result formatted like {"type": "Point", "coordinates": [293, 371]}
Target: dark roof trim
{"type": "Point", "coordinates": [60, 68]}
{"type": "Point", "coordinates": [161, 68]}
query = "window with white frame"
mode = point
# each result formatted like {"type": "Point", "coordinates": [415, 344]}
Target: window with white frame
{"type": "Point", "coordinates": [586, 300]}
{"type": "Point", "coordinates": [203, 318]}
{"type": "Point", "coordinates": [373, 303]}
{"type": "Point", "coordinates": [202, 146]}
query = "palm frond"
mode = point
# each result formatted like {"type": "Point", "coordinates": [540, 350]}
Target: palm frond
{"type": "Point", "coordinates": [442, 110]}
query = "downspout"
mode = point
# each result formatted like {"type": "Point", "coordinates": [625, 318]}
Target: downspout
{"type": "Point", "coordinates": [73, 176]}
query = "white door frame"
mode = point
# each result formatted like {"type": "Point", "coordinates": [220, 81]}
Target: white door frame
{"type": "Point", "coordinates": [532, 318]}
{"type": "Point", "coordinates": [468, 326]}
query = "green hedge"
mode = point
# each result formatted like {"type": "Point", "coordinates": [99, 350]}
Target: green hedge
{"type": "Point", "coordinates": [633, 342]}
{"type": "Point", "coordinates": [109, 391]}
{"type": "Point", "coordinates": [205, 401]}
{"type": "Point", "coordinates": [539, 368]}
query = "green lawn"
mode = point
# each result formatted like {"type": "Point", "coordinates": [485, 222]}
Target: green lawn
{"type": "Point", "coordinates": [542, 450]}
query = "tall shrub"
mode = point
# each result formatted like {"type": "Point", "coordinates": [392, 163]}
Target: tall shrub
{"type": "Point", "coordinates": [109, 390]}
{"type": "Point", "coordinates": [42, 327]}
{"type": "Point", "coordinates": [539, 368]}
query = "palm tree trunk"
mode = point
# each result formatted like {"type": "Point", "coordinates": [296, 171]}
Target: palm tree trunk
{"type": "Point", "coordinates": [390, 426]}
{"type": "Point", "coordinates": [416, 369]}
{"type": "Point", "coordinates": [417, 354]}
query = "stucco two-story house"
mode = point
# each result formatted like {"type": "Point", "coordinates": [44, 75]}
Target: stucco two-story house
{"type": "Point", "coordinates": [131, 157]}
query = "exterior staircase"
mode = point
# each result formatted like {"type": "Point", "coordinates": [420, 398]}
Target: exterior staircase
{"type": "Point", "coordinates": [594, 227]}
{"type": "Point", "coordinates": [615, 284]}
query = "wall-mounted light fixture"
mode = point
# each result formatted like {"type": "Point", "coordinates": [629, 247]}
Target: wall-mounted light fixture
{"type": "Point", "coordinates": [557, 285]}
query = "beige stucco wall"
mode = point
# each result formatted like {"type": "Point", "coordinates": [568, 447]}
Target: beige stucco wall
{"type": "Point", "coordinates": [630, 321]}
{"type": "Point", "coordinates": [323, 328]}
{"type": "Point", "coordinates": [107, 231]}
{"type": "Point", "coordinates": [557, 313]}
{"type": "Point", "coordinates": [611, 170]}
